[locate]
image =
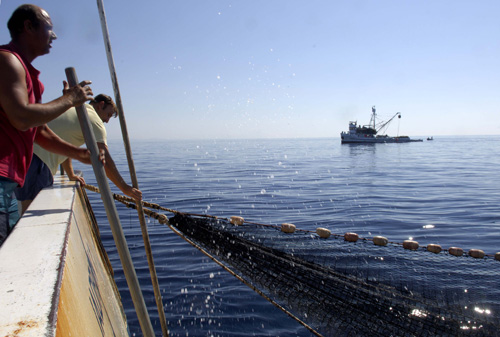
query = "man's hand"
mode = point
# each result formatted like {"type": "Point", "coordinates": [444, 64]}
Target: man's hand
{"type": "Point", "coordinates": [78, 94]}
{"type": "Point", "coordinates": [74, 177]}
{"type": "Point", "coordinates": [102, 156]}
{"type": "Point", "coordinates": [132, 192]}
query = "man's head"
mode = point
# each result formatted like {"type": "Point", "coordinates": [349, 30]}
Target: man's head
{"type": "Point", "coordinates": [105, 107]}
{"type": "Point", "coordinates": [32, 23]}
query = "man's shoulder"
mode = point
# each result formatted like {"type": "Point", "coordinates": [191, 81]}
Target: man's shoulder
{"type": "Point", "coordinates": [14, 73]}
{"type": "Point", "coordinates": [93, 116]}
{"type": "Point", "coordinates": [6, 54]}
{"type": "Point", "coordinates": [9, 59]}
{"type": "Point", "coordinates": [71, 116]}
{"type": "Point", "coordinates": [6, 50]}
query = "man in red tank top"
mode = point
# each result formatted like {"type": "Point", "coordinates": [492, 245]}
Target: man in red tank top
{"type": "Point", "coordinates": [22, 114]}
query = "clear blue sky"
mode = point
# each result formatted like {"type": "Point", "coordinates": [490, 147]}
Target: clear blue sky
{"type": "Point", "coordinates": [274, 69]}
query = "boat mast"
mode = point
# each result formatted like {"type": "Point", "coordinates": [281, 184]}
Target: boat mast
{"type": "Point", "coordinates": [373, 117]}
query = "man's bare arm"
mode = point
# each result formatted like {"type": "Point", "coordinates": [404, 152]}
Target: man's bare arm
{"type": "Point", "coordinates": [67, 166]}
{"type": "Point", "coordinates": [113, 175]}
{"type": "Point", "coordinates": [14, 99]}
{"type": "Point", "coordinates": [51, 142]}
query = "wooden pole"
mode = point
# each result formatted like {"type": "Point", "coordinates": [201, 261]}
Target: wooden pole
{"type": "Point", "coordinates": [133, 176]}
{"type": "Point", "coordinates": [112, 213]}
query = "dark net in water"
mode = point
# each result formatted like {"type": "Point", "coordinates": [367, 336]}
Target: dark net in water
{"type": "Point", "coordinates": [341, 288]}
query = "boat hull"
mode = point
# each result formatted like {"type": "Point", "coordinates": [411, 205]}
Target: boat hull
{"type": "Point", "coordinates": [55, 276]}
{"type": "Point", "coordinates": [360, 138]}
{"type": "Point", "coordinates": [373, 140]}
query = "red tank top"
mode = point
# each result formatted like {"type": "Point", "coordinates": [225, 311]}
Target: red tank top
{"type": "Point", "coordinates": [16, 147]}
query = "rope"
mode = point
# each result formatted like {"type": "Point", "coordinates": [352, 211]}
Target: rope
{"type": "Point", "coordinates": [229, 270]}
{"type": "Point", "coordinates": [163, 219]}
{"type": "Point", "coordinates": [454, 251]}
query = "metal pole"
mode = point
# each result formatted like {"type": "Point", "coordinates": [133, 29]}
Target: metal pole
{"type": "Point", "coordinates": [112, 213]}
{"type": "Point", "coordinates": [133, 176]}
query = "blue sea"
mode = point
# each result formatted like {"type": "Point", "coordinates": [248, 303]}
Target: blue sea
{"type": "Point", "coordinates": [445, 191]}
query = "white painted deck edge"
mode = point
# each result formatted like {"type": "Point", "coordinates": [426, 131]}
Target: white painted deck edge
{"type": "Point", "coordinates": [31, 261]}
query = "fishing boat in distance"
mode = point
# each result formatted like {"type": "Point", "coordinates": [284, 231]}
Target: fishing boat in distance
{"type": "Point", "coordinates": [370, 133]}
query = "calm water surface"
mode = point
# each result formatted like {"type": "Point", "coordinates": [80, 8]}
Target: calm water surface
{"type": "Point", "coordinates": [444, 191]}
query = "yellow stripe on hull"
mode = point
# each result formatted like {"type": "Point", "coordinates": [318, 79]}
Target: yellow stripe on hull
{"type": "Point", "coordinates": [55, 277]}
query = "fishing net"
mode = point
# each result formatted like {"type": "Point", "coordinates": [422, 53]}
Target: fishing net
{"type": "Point", "coordinates": [340, 288]}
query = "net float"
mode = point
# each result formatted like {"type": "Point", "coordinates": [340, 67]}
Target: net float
{"type": "Point", "coordinates": [351, 237]}
{"type": "Point", "coordinates": [287, 228]}
{"type": "Point", "coordinates": [456, 251]}
{"type": "Point", "coordinates": [433, 248]}
{"type": "Point", "coordinates": [410, 244]}
{"type": "Point", "coordinates": [163, 219]}
{"type": "Point", "coordinates": [237, 220]}
{"type": "Point", "coordinates": [476, 253]}
{"type": "Point", "coordinates": [380, 240]}
{"type": "Point", "coordinates": [323, 232]}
